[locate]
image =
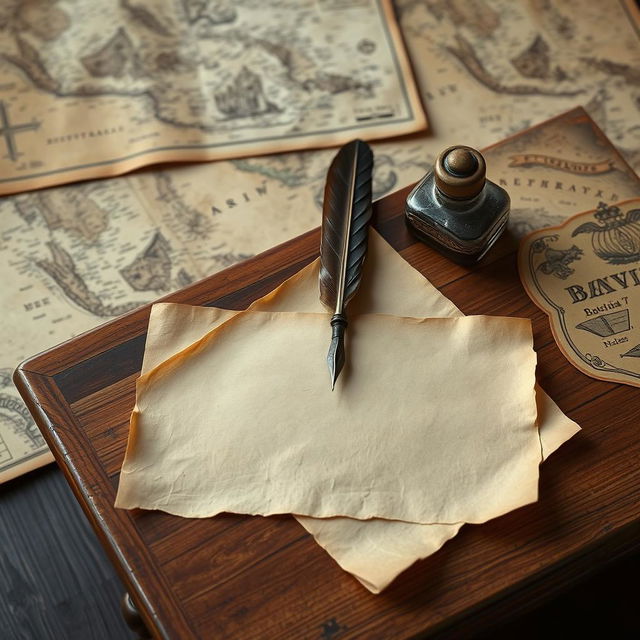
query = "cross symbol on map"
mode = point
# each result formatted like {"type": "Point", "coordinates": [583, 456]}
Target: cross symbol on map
{"type": "Point", "coordinates": [9, 131]}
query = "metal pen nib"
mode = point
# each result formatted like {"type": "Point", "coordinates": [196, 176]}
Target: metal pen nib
{"type": "Point", "coordinates": [336, 355]}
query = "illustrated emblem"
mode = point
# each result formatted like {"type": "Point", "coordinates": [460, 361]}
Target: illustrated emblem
{"type": "Point", "coordinates": [607, 324]}
{"type": "Point", "coordinates": [632, 353]}
{"type": "Point", "coordinates": [557, 261]}
{"type": "Point", "coordinates": [615, 237]}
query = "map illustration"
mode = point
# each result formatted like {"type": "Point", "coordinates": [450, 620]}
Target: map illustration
{"type": "Point", "coordinates": [76, 255]}
{"type": "Point", "coordinates": [17, 429]}
{"type": "Point", "coordinates": [490, 68]}
{"type": "Point", "coordinates": [98, 88]}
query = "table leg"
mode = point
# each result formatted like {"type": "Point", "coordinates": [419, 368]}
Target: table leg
{"type": "Point", "coordinates": [132, 617]}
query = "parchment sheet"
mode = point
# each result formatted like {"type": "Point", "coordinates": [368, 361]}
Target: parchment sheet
{"type": "Point", "coordinates": [374, 551]}
{"type": "Point", "coordinates": [254, 392]}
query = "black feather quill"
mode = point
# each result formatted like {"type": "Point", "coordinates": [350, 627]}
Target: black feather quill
{"type": "Point", "coordinates": [346, 216]}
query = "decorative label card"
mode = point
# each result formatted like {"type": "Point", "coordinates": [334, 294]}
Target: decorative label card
{"type": "Point", "coordinates": [585, 274]}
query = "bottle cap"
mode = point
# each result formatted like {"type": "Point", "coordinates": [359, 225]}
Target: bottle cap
{"type": "Point", "coordinates": [460, 172]}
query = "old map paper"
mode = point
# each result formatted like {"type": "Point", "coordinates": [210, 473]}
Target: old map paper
{"type": "Point", "coordinates": [77, 255]}
{"type": "Point", "coordinates": [490, 68]}
{"type": "Point", "coordinates": [585, 274]}
{"type": "Point", "coordinates": [91, 89]}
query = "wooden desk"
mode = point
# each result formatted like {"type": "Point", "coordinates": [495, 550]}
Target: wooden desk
{"type": "Point", "coordinates": [252, 578]}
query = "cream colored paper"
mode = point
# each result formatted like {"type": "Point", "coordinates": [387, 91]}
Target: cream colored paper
{"type": "Point", "coordinates": [94, 89]}
{"type": "Point", "coordinates": [374, 551]}
{"type": "Point", "coordinates": [272, 438]}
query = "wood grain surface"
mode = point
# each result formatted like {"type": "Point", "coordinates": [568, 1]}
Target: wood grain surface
{"type": "Point", "coordinates": [248, 577]}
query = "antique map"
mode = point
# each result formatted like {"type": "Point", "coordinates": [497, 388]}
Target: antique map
{"type": "Point", "coordinates": [490, 68]}
{"type": "Point", "coordinates": [74, 256]}
{"type": "Point", "coordinates": [91, 89]}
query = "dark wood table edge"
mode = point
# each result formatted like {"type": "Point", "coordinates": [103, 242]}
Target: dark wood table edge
{"type": "Point", "coordinates": [145, 608]}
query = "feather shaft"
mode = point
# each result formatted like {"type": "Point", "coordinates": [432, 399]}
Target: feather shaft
{"type": "Point", "coordinates": [347, 232]}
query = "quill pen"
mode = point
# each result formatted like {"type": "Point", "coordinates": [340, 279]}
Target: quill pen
{"type": "Point", "coordinates": [346, 215]}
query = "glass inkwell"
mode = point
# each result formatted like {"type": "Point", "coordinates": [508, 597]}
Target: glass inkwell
{"type": "Point", "coordinates": [455, 209]}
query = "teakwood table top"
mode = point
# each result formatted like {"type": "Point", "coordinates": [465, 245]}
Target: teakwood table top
{"type": "Point", "coordinates": [236, 576]}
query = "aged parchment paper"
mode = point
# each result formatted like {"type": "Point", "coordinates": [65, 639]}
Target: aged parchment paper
{"type": "Point", "coordinates": [243, 421]}
{"type": "Point", "coordinates": [375, 551]}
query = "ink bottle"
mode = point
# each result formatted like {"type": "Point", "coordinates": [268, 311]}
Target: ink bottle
{"type": "Point", "coordinates": [455, 209]}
